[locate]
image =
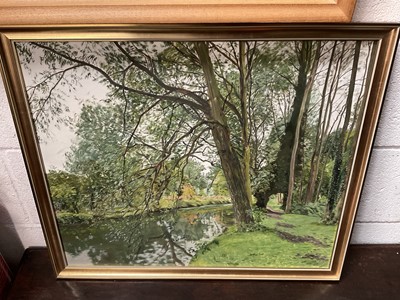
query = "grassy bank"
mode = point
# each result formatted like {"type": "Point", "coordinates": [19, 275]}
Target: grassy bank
{"type": "Point", "coordinates": [284, 241]}
{"type": "Point", "coordinates": [195, 201]}
{"type": "Point", "coordinates": [166, 203]}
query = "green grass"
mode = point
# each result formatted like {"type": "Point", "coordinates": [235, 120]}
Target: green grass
{"type": "Point", "coordinates": [292, 241]}
{"type": "Point", "coordinates": [274, 204]}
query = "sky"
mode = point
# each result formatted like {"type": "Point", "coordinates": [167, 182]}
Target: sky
{"type": "Point", "coordinates": [59, 139]}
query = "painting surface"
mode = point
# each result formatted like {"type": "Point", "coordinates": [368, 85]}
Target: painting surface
{"type": "Point", "coordinates": [210, 154]}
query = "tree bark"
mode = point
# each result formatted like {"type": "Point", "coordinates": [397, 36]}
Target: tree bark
{"type": "Point", "coordinates": [230, 161]}
{"type": "Point", "coordinates": [306, 95]}
{"type": "Point", "coordinates": [245, 119]}
{"type": "Point", "coordinates": [281, 166]}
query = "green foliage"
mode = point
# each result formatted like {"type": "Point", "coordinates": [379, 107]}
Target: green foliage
{"type": "Point", "coordinates": [220, 187]}
{"type": "Point", "coordinates": [96, 155]}
{"type": "Point", "coordinates": [131, 146]}
{"type": "Point", "coordinates": [152, 136]}
{"type": "Point", "coordinates": [188, 192]}
{"type": "Point", "coordinates": [193, 175]}
{"type": "Point", "coordinates": [265, 174]}
{"type": "Point", "coordinates": [190, 173]}
{"type": "Point", "coordinates": [258, 224]}
{"type": "Point", "coordinates": [74, 218]}
{"type": "Point", "coordinates": [310, 209]}
{"type": "Point", "coordinates": [65, 190]}
{"type": "Point", "coordinates": [172, 202]}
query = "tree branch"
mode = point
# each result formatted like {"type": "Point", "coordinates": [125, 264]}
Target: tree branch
{"type": "Point", "coordinates": [121, 86]}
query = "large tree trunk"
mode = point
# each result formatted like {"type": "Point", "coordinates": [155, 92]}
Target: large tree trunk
{"type": "Point", "coordinates": [230, 161]}
{"type": "Point", "coordinates": [281, 165]}
{"type": "Point", "coordinates": [234, 176]}
{"type": "Point", "coordinates": [337, 172]}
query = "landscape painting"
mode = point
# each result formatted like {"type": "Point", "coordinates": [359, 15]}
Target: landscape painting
{"type": "Point", "coordinates": [207, 153]}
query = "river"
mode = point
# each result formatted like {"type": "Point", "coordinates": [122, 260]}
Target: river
{"type": "Point", "coordinates": [169, 238]}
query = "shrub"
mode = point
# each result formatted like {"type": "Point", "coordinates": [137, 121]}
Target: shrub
{"type": "Point", "coordinates": [310, 209]}
{"type": "Point", "coordinates": [72, 218]}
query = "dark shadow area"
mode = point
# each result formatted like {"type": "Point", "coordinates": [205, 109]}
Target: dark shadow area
{"type": "Point", "coordinates": [10, 244]}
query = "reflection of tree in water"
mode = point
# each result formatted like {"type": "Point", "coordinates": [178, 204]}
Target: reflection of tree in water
{"type": "Point", "coordinates": [164, 239]}
{"type": "Point", "coordinates": [179, 241]}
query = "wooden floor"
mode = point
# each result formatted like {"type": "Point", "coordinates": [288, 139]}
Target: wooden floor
{"type": "Point", "coordinates": [370, 272]}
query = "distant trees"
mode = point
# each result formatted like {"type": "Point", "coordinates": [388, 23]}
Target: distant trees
{"type": "Point", "coordinates": [66, 191]}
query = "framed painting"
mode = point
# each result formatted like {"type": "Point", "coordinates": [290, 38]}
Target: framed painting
{"type": "Point", "coordinates": [20, 12]}
{"type": "Point", "coordinates": [197, 151]}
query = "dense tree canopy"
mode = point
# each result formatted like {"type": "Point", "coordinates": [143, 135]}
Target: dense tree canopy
{"type": "Point", "coordinates": [180, 115]}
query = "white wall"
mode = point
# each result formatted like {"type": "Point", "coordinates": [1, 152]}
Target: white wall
{"type": "Point", "coordinates": [378, 219]}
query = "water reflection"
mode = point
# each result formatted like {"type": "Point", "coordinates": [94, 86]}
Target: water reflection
{"type": "Point", "coordinates": [171, 238]}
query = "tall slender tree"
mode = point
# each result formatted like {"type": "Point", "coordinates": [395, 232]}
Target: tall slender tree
{"type": "Point", "coordinates": [337, 171]}
{"type": "Point", "coordinates": [296, 140]}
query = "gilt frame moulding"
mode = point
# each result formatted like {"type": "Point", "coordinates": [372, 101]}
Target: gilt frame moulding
{"type": "Point", "coordinates": [71, 199]}
{"type": "Point", "coordinates": [23, 12]}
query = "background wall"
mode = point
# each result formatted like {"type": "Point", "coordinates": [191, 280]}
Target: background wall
{"type": "Point", "coordinates": [378, 218]}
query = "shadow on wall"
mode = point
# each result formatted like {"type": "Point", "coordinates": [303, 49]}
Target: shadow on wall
{"type": "Point", "coordinates": [10, 245]}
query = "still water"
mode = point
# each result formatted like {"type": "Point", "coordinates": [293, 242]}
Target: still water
{"type": "Point", "coordinates": [170, 238]}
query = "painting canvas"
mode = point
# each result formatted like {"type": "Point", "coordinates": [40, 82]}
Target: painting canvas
{"type": "Point", "coordinates": [204, 153]}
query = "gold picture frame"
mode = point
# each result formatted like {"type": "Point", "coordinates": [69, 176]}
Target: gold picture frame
{"type": "Point", "coordinates": [24, 12]}
{"type": "Point", "coordinates": [56, 49]}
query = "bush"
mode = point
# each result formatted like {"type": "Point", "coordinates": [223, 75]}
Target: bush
{"type": "Point", "coordinates": [72, 218]}
{"type": "Point", "coordinates": [310, 209]}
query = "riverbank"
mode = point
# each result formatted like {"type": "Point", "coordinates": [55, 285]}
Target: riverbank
{"type": "Point", "coordinates": [166, 204]}
{"type": "Point", "coordinates": [168, 238]}
{"type": "Point", "coordinates": [306, 243]}
{"type": "Point", "coordinates": [200, 236]}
